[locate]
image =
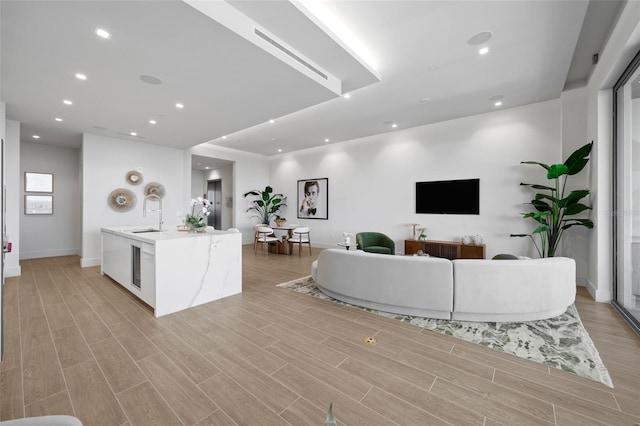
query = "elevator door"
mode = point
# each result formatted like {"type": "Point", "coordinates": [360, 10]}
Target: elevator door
{"type": "Point", "coordinates": [214, 194]}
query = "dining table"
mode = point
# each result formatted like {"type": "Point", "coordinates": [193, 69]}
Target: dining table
{"type": "Point", "coordinates": [284, 247]}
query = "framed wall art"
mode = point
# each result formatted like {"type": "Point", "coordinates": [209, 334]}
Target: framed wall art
{"type": "Point", "coordinates": [38, 182]}
{"type": "Point", "coordinates": [38, 204]}
{"type": "Point", "coordinates": [313, 198]}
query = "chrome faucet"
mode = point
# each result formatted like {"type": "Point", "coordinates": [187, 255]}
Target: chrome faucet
{"type": "Point", "coordinates": [159, 210]}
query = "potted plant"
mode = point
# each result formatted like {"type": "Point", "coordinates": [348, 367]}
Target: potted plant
{"type": "Point", "coordinates": [280, 220]}
{"type": "Point", "coordinates": [266, 204]}
{"type": "Point", "coordinates": [553, 207]}
{"type": "Point", "coordinates": [199, 210]}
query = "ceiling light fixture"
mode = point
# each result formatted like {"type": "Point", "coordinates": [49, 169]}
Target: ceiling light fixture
{"type": "Point", "coordinates": [36, 137]}
{"type": "Point", "coordinates": [224, 137]}
{"type": "Point", "coordinates": [58, 119]}
{"type": "Point", "coordinates": [133, 134]}
{"type": "Point", "coordinates": [67, 102]}
{"type": "Point", "coordinates": [327, 140]}
{"type": "Point", "coordinates": [279, 149]}
{"type": "Point", "coordinates": [394, 125]}
{"type": "Point", "coordinates": [272, 121]}
{"type": "Point", "coordinates": [152, 121]}
{"type": "Point", "coordinates": [499, 103]}
{"type": "Point", "coordinates": [179, 105]}
{"type": "Point", "coordinates": [102, 33]}
{"type": "Point", "coordinates": [483, 51]}
{"type": "Point", "coordinates": [347, 96]}
{"type": "Point", "coordinates": [80, 76]}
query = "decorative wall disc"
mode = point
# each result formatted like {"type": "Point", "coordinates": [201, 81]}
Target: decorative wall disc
{"type": "Point", "coordinates": [154, 188]}
{"type": "Point", "coordinates": [134, 177]}
{"type": "Point", "coordinates": [122, 200]}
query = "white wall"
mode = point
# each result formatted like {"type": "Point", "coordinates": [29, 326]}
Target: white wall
{"type": "Point", "coordinates": [372, 180]}
{"type": "Point", "coordinates": [574, 135]}
{"type": "Point", "coordinates": [57, 234]}
{"type": "Point", "coordinates": [13, 183]}
{"type": "Point", "coordinates": [105, 162]}
{"type": "Point", "coordinates": [225, 174]}
{"type": "Point", "coordinates": [250, 171]}
{"type": "Point", "coordinates": [198, 183]}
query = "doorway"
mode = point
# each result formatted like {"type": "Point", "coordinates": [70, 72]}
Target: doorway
{"type": "Point", "coordinates": [214, 194]}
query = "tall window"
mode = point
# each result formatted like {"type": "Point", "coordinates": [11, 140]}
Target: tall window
{"type": "Point", "coordinates": [626, 105]}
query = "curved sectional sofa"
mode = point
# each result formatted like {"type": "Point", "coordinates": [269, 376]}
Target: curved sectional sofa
{"type": "Point", "coordinates": [461, 289]}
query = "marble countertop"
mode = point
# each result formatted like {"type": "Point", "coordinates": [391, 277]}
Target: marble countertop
{"type": "Point", "coordinates": [147, 234]}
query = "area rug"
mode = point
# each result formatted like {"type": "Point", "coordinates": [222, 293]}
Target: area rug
{"type": "Point", "coordinates": [560, 342]}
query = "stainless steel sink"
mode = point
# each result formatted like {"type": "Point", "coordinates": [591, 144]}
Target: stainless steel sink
{"type": "Point", "coordinates": [142, 231]}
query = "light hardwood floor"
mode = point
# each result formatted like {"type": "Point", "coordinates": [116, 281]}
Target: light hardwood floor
{"type": "Point", "coordinates": [77, 343]}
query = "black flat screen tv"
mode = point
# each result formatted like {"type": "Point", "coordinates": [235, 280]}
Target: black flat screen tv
{"type": "Point", "coordinates": [448, 197]}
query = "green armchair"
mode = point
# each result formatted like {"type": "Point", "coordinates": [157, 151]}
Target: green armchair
{"type": "Point", "coordinates": [375, 242]}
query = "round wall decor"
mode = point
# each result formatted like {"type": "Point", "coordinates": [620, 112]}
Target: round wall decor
{"type": "Point", "coordinates": [134, 177]}
{"type": "Point", "coordinates": [122, 200]}
{"type": "Point", "coordinates": [154, 188]}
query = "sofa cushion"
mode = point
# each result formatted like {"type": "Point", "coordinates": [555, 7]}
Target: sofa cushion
{"type": "Point", "coordinates": [377, 249]}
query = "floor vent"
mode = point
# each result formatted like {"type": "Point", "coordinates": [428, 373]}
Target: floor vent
{"type": "Point", "coordinates": [289, 53]}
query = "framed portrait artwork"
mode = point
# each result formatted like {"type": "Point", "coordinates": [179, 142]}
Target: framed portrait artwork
{"type": "Point", "coordinates": [313, 198]}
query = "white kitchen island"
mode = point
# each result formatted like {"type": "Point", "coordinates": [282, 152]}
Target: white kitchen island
{"type": "Point", "coordinates": [173, 270]}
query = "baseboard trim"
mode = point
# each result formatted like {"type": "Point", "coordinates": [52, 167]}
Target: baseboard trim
{"type": "Point", "coordinates": [87, 263]}
{"type": "Point", "coordinates": [13, 272]}
{"type": "Point", "coordinates": [48, 253]}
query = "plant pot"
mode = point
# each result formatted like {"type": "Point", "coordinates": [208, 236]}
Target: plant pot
{"type": "Point", "coordinates": [280, 222]}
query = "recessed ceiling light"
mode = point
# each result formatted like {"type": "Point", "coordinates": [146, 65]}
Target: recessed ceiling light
{"type": "Point", "coordinates": [36, 137]}
{"type": "Point", "coordinates": [480, 38]}
{"type": "Point", "coordinates": [206, 167]}
{"type": "Point", "coordinates": [133, 134]}
{"type": "Point", "coordinates": [394, 125]}
{"type": "Point", "coordinates": [58, 119]}
{"type": "Point", "coordinates": [67, 102]}
{"type": "Point", "coordinates": [279, 149]}
{"type": "Point", "coordinates": [152, 121]}
{"type": "Point", "coordinates": [327, 140]}
{"type": "Point", "coordinates": [149, 79]}
{"type": "Point", "coordinates": [224, 137]}
{"type": "Point", "coordinates": [272, 121]}
{"type": "Point", "coordinates": [102, 33]}
{"type": "Point", "coordinates": [179, 105]}
{"type": "Point", "coordinates": [483, 51]}
{"type": "Point", "coordinates": [498, 103]}
{"type": "Point", "coordinates": [80, 76]}
{"type": "Point", "coordinates": [347, 95]}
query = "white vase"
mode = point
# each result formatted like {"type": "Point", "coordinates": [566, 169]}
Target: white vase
{"type": "Point", "coordinates": [477, 240]}
{"type": "Point", "coordinates": [466, 240]}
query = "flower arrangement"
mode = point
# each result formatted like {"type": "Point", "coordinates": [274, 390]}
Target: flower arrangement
{"type": "Point", "coordinates": [199, 210]}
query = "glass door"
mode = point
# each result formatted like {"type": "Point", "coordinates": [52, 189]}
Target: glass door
{"type": "Point", "coordinates": [626, 92]}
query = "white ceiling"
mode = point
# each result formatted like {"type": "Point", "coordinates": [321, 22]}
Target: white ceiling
{"type": "Point", "coordinates": [420, 70]}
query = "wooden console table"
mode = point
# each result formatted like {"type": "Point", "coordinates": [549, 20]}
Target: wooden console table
{"type": "Point", "coordinates": [446, 249]}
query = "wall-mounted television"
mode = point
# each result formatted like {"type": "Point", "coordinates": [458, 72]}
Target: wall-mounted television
{"type": "Point", "coordinates": [460, 196]}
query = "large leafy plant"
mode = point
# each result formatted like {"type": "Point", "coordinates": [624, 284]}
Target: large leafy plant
{"type": "Point", "coordinates": [266, 204]}
{"type": "Point", "coordinates": [554, 210]}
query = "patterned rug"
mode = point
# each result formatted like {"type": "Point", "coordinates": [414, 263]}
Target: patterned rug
{"type": "Point", "coordinates": [560, 342]}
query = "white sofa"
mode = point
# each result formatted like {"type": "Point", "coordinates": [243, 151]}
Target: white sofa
{"type": "Point", "coordinates": [462, 289]}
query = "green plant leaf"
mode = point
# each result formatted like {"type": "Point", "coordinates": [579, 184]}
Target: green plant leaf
{"type": "Point", "coordinates": [540, 205]}
{"type": "Point", "coordinates": [580, 222]}
{"type": "Point", "coordinates": [268, 189]}
{"type": "Point", "coordinates": [573, 198]}
{"type": "Point", "coordinates": [575, 209]}
{"type": "Point", "coordinates": [578, 159]}
{"type": "Point", "coordinates": [540, 229]}
{"type": "Point", "coordinates": [556, 170]}
{"type": "Point", "coordinates": [536, 186]}
{"type": "Point", "coordinates": [535, 162]}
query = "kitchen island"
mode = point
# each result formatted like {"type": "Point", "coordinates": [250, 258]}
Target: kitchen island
{"type": "Point", "coordinates": [173, 270]}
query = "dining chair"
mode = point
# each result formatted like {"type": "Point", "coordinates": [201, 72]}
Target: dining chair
{"type": "Point", "coordinates": [264, 235]}
{"type": "Point", "coordinates": [300, 237]}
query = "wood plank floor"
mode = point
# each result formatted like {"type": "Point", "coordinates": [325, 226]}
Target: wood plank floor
{"type": "Point", "coordinates": [77, 343]}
